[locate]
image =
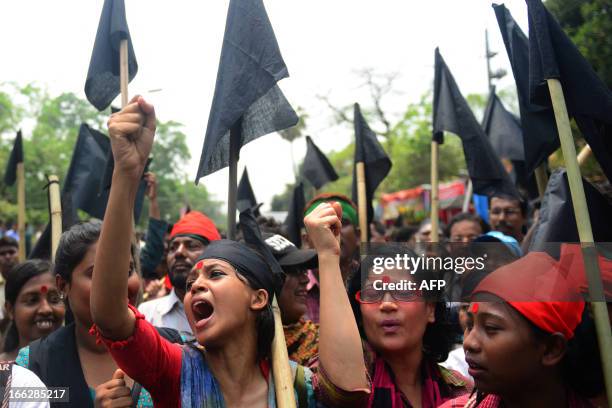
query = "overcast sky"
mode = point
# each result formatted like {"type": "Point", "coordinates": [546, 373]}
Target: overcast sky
{"type": "Point", "coordinates": [323, 42]}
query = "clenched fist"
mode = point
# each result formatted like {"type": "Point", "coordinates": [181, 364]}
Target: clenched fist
{"type": "Point", "coordinates": [131, 132]}
{"type": "Point", "coordinates": [324, 225]}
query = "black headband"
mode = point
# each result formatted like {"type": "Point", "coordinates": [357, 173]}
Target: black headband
{"type": "Point", "coordinates": [245, 260]}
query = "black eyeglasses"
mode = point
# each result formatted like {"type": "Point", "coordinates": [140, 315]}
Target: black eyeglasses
{"type": "Point", "coordinates": [371, 295]}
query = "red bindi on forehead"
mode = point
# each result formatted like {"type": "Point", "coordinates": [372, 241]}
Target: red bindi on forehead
{"type": "Point", "coordinates": [44, 289]}
{"type": "Point", "coordinates": [474, 307]}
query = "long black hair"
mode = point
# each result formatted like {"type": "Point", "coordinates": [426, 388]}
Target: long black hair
{"type": "Point", "coordinates": [16, 279]}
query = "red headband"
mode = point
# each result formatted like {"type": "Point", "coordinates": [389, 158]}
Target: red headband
{"type": "Point", "coordinates": [541, 290]}
{"type": "Point", "coordinates": [196, 223]}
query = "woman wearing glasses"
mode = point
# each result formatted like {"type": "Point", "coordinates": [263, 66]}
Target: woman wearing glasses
{"type": "Point", "coordinates": [405, 336]}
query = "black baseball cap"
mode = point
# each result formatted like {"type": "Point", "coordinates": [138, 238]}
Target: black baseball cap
{"type": "Point", "coordinates": [287, 254]}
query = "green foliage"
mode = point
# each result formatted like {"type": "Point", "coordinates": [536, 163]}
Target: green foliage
{"type": "Point", "coordinates": [48, 150]}
{"type": "Point", "coordinates": [589, 24]}
{"type": "Point", "coordinates": [408, 144]}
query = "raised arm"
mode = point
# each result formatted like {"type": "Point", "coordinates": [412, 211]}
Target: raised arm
{"type": "Point", "coordinates": [340, 350]}
{"type": "Point", "coordinates": [131, 132]}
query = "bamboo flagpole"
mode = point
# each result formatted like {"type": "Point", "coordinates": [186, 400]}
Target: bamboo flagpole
{"type": "Point", "coordinates": [283, 378]}
{"type": "Point", "coordinates": [362, 198]}
{"type": "Point", "coordinates": [55, 209]}
{"type": "Point", "coordinates": [123, 71]}
{"type": "Point", "coordinates": [232, 188]}
{"type": "Point", "coordinates": [585, 232]}
{"type": "Point", "coordinates": [434, 237]}
{"type": "Point", "coordinates": [584, 154]}
{"type": "Point", "coordinates": [468, 196]}
{"type": "Point", "coordinates": [541, 179]}
{"type": "Point", "coordinates": [21, 210]}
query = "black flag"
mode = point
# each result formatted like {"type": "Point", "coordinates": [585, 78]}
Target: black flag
{"type": "Point", "coordinates": [553, 55]}
{"type": "Point", "coordinates": [295, 216]}
{"type": "Point", "coordinates": [16, 157]}
{"type": "Point", "coordinates": [369, 151]}
{"type": "Point", "coordinates": [102, 84]}
{"type": "Point", "coordinates": [246, 93]}
{"type": "Point", "coordinates": [252, 236]}
{"type": "Point", "coordinates": [506, 136]}
{"type": "Point", "coordinates": [557, 222]}
{"type": "Point", "coordinates": [452, 113]}
{"type": "Point", "coordinates": [42, 249]}
{"type": "Point", "coordinates": [540, 138]}
{"type": "Point", "coordinates": [245, 197]}
{"type": "Point", "coordinates": [317, 169]}
{"type": "Point", "coordinates": [503, 129]}
{"type": "Point", "coordinates": [86, 171]}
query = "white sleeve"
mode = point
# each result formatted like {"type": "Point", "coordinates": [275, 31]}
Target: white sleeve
{"type": "Point", "coordinates": [22, 377]}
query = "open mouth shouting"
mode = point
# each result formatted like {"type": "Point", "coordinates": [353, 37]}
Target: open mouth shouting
{"type": "Point", "coordinates": [203, 311]}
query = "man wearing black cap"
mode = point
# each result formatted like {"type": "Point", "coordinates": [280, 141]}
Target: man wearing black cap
{"type": "Point", "coordinates": [301, 335]}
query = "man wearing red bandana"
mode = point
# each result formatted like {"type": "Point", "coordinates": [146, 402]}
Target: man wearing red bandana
{"type": "Point", "coordinates": [188, 239]}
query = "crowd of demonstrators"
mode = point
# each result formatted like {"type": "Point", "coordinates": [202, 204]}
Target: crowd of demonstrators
{"type": "Point", "coordinates": [203, 337]}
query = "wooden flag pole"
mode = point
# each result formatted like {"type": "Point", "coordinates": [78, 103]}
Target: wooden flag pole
{"type": "Point", "coordinates": [584, 154]}
{"type": "Point", "coordinates": [468, 196]}
{"type": "Point", "coordinates": [232, 190]}
{"type": "Point", "coordinates": [283, 378]}
{"type": "Point", "coordinates": [434, 237]}
{"type": "Point", "coordinates": [21, 211]}
{"type": "Point", "coordinates": [55, 208]}
{"type": "Point", "coordinates": [123, 71]}
{"type": "Point", "coordinates": [583, 221]}
{"type": "Point", "coordinates": [361, 202]}
{"type": "Point", "coordinates": [541, 179]}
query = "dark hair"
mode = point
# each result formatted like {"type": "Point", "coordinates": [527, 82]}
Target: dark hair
{"type": "Point", "coordinates": [438, 337]}
{"type": "Point", "coordinates": [522, 202]}
{"type": "Point", "coordinates": [581, 365]}
{"type": "Point", "coordinates": [264, 322]}
{"type": "Point", "coordinates": [465, 216]}
{"type": "Point", "coordinates": [403, 234]}
{"type": "Point", "coordinates": [73, 246]}
{"type": "Point", "coordinates": [16, 279]}
{"type": "Point", "coordinates": [9, 241]}
{"type": "Point", "coordinates": [75, 243]}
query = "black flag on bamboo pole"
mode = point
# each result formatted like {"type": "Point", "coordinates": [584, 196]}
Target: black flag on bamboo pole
{"type": "Point", "coordinates": [552, 55]}
{"type": "Point", "coordinates": [452, 113]}
{"type": "Point", "coordinates": [16, 157]}
{"type": "Point", "coordinates": [245, 92]}
{"type": "Point", "coordinates": [245, 197]}
{"type": "Point", "coordinates": [369, 151]}
{"type": "Point", "coordinates": [295, 216]}
{"type": "Point", "coordinates": [317, 169]}
{"type": "Point", "coordinates": [84, 176]}
{"type": "Point", "coordinates": [540, 138]}
{"type": "Point", "coordinates": [103, 80]}
{"type": "Point", "coordinates": [506, 136]}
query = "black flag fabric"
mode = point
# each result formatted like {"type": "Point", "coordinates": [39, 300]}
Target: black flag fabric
{"type": "Point", "coordinates": [452, 113]}
{"type": "Point", "coordinates": [252, 236]}
{"type": "Point", "coordinates": [246, 94]}
{"type": "Point", "coordinates": [317, 169]}
{"type": "Point", "coordinates": [16, 157]}
{"type": "Point", "coordinates": [506, 136]}
{"type": "Point", "coordinates": [552, 55]}
{"type": "Point", "coordinates": [103, 81]}
{"type": "Point", "coordinates": [85, 174]}
{"type": "Point", "coordinates": [245, 197]}
{"type": "Point", "coordinates": [503, 129]}
{"type": "Point", "coordinates": [369, 151]}
{"type": "Point", "coordinates": [540, 138]}
{"type": "Point", "coordinates": [557, 222]}
{"type": "Point", "coordinates": [295, 216]}
{"type": "Point", "coordinates": [42, 249]}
